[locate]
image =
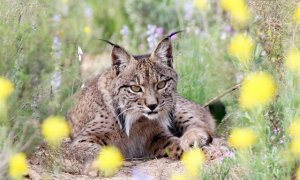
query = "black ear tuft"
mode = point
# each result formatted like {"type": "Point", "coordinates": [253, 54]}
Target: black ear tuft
{"type": "Point", "coordinates": [108, 42]}
{"type": "Point", "coordinates": [120, 57]}
{"type": "Point", "coordinates": [163, 51]}
{"type": "Point", "coordinates": [173, 33]}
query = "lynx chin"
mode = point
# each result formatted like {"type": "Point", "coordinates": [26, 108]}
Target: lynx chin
{"type": "Point", "coordinates": [134, 106]}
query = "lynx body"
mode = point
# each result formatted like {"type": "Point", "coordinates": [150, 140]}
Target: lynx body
{"type": "Point", "coordinates": [135, 107]}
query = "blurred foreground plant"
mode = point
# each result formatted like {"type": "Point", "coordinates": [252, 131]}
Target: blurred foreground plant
{"type": "Point", "coordinates": [17, 163]}
{"type": "Point", "coordinates": [202, 4]}
{"type": "Point", "coordinates": [55, 129]}
{"type": "Point", "coordinates": [109, 160]}
{"type": "Point", "coordinates": [296, 15]}
{"type": "Point", "coordinates": [6, 88]}
{"type": "Point", "coordinates": [298, 173]}
{"type": "Point", "coordinates": [178, 177]}
{"type": "Point", "coordinates": [18, 166]}
{"type": "Point", "coordinates": [294, 129]}
{"type": "Point", "coordinates": [242, 138]}
{"type": "Point", "coordinates": [193, 161]}
{"type": "Point", "coordinates": [295, 147]}
{"type": "Point", "coordinates": [238, 10]}
{"type": "Point", "coordinates": [258, 89]}
{"type": "Point", "coordinates": [241, 47]}
{"type": "Point", "coordinates": [292, 60]}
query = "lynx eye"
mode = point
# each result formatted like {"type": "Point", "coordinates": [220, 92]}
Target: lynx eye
{"type": "Point", "coordinates": [161, 84]}
{"type": "Point", "coordinates": [136, 88]}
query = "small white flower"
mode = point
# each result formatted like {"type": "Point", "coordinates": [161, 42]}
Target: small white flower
{"type": "Point", "coordinates": [56, 47]}
{"type": "Point", "coordinates": [80, 53]}
{"type": "Point", "coordinates": [188, 10]}
{"type": "Point", "coordinates": [88, 12]}
{"type": "Point", "coordinates": [239, 77]}
{"type": "Point", "coordinates": [56, 81]}
{"type": "Point", "coordinates": [125, 30]}
{"type": "Point", "coordinates": [56, 43]}
{"type": "Point", "coordinates": [139, 174]}
{"type": "Point", "coordinates": [57, 18]}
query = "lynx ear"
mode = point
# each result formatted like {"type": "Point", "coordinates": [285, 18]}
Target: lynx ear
{"type": "Point", "coordinates": [120, 57]}
{"type": "Point", "coordinates": [163, 51]}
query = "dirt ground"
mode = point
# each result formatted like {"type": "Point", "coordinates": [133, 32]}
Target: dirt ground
{"type": "Point", "coordinates": [142, 169]}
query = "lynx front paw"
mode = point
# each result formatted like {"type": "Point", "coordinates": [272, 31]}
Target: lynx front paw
{"type": "Point", "coordinates": [194, 137]}
{"type": "Point", "coordinates": [91, 169]}
{"type": "Point", "coordinates": [172, 150]}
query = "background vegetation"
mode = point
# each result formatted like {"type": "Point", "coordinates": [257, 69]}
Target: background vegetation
{"type": "Point", "coordinates": [39, 54]}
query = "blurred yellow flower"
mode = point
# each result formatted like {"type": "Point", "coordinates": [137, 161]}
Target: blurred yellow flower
{"type": "Point", "coordinates": [292, 60]}
{"type": "Point", "coordinates": [295, 147]}
{"type": "Point", "coordinates": [294, 129]}
{"type": "Point", "coordinates": [238, 10]}
{"type": "Point", "coordinates": [241, 47]}
{"type": "Point", "coordinates": [109, 160]}
{"type": "Point", "coordinates": [227, 4]}
{"type": "Point", "coordinates": [257, 89]}
{"type": "Point", "coordinates": [54, 129]}
{"type": "Point", "coordinates": [18, 165]}
{"type": "Point", "coordinates": [201, 4]}
{"type": "Point", "coordinates": [296, 15]}
{"type": "Point", "coordinates": [87, 30]}
{"type": "Point", "coordinates": [242, 138]}
{"type": "Point", "coordinates": [178, 177]}
{"type": "Point", "coordinates": [193, 161]}
{"type": "Point", "coordinates": [6, 88]}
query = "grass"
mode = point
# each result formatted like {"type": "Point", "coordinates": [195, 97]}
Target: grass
{"type": "Point", "coordinates": [39, 39]}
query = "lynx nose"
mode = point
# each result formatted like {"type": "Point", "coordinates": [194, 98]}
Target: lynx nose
{"type": "Point", "coordinates": [152, 106]}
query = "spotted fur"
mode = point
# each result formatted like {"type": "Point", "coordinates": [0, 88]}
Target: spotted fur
{"type": "Point", "coordinates": [153, 122]}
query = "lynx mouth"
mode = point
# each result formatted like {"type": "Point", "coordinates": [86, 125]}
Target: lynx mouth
{"type": "Point", "coordinates": [151, 115]}
{"type": "Point", "coordinates": [152, 112]}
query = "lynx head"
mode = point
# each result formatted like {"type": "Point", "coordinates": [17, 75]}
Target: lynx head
{"type": "Point", "coordinates": [144, 85]}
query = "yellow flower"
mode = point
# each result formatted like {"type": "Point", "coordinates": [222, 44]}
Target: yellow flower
{"type": "Point", "coordinates": [18, 165]}
{"type": "Point", "coordinates": [241, 47]}
{"type": "Point", "coordinates": [87, 30]}
{"type": "Point", "coordinates": [238, 10]}
{"type": "Point", "coordinates": [296, 15]}
{"type": "Point", "coordinates": [178, 177]}
{"type": "Point", "coordinates": [193, 161]}
{"type": "Point", "coordinates": [109, 160]}
{"type": "Point", "coordinates": [294, 129]}
{"type": "Point", "coordinates": [257, 89]}
{"type": "Point", "coordinates": [6, 88]}
{"type": "Point", "coordinates": [54, 129]}
{"type": "Point", "coordinates": [292, 60]}
{"type": "Point", "coordinates": [295, 147]}
{"type": "Point", "coordinates": [242, 138]}
{"type": "Point", "coordinates": [298, 173]}
{"type": "Point", "coordinates": [201, 4]}
{"type": "Point", "coordinates": [227, 4]}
